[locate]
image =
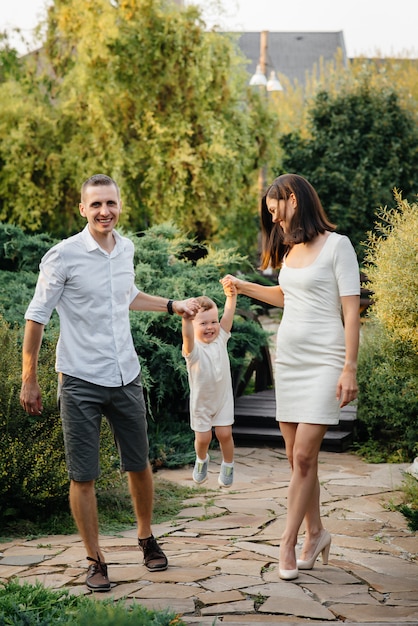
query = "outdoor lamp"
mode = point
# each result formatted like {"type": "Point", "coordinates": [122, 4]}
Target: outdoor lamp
{"type": "Point", "coordinates": [258, 78]}
{"type": "Point", "coordinates": [273, 83]}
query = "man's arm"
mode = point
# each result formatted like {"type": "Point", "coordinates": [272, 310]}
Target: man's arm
{"type": "Point", "coordinates": [30, 393]}
{"type": "Point", "coordinates": [146, 302]}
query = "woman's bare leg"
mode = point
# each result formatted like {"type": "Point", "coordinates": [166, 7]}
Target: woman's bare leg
{"type": "Point", "coordinates": [303, 442]}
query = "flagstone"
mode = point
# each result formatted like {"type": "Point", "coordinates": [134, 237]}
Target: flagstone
{"type": "Point", "coordinates": [183, 533]}
{"type": "Point", "coordinates": [266, 620]}
{"type": "Point", "coordinates": [234, 531]}
{"type": "Point", "coordinates": [181, 605]}
{"type": "Point", "coordinates": [226, 582]}
{"type": "Point", "coordinates": [248, 555]}
{"type": "Point", "coordinates": [385, 564]}
{"type": "Point", "coordinates": [343, 490]}
{"type": "Point", "coordinates": [225, 522]}
{"type": "Point", "coordinates": [67, 556]}
{"type": "Point", "coordinates": [242, 606]}
{"type": "Point", "coordinates": [117, 591]}
{"type": "Point", "coordinates": [385, 583]}
{"type": "Point", "coordinates": [273, 529]}
{"type": "Point", "coordinates": [259, 548]}
{"type": "Point", "coordinates": [328, 574]}
{"type": "Point", "coordinates": [181, 574]}
{"type": "Point", "coordinates": [354, 594]}
{"type": "Point", "coordinates": [196, 559]}
{"type": "Point", "coordinates": [164, 590]}
{"type": "Point", "coordinates": [408, 544]}
{"type": "Point", "coordinates": [23, 559]}
{"type": "Point", "coordinates": [351, 528]}
{"type": "Point", "coordinates": [270, 589]}
{"type": "Point", "coordinates": [221, 597]}
{"type": "Point", "coordinates": [199, 512]}
{"type": "Point", "coordinates": [300, 605]}
{"type": "Point", "coordinates": [120, 542]}
{"type": "Point", "coordinates": [360, 543]}
{"type": "Point", "coordinates": [55, 540]}
{"type": "Point", "coordinates": [79, 590]}
{"type": "Point", "coordinates": [218, 563]}
{"type": "Point", "coordinates": [239, 566]}
{"type": "Point", "coordinates": [368, 613]}
{"type": "Point", "coordinates": [270, 508]}
{"type": "Point", "coordinates": [42, 571]}
{"type": "Point", "coordinates": [51, 581]}
{"type": "Point", "coordinates": [408, 598]}
{"type": "Point", "coordinates": [9, 571]}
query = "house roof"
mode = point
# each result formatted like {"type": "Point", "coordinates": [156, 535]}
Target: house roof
{"type": "Point", "coordinates": [292, 53]}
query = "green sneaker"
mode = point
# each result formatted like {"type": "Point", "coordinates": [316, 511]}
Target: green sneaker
{"type": "Point", "coordinates": [226, 476]}
{"type": "Point", "coordinates": [200, 471]}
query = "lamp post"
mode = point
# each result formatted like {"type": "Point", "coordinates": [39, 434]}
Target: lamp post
{"type": "Point", "coordinates": [259, 80]}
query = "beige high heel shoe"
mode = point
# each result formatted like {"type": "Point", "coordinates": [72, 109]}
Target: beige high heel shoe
{"type": "Point", "coordinates": [323, 546]}
{"type": "Point", "coordinates": [288, 574]}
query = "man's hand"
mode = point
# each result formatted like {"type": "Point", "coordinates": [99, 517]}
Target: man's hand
{"type": "Point", "coordinates": [186, 308]}
{"type": "Point", "coordinates": [30, 398]}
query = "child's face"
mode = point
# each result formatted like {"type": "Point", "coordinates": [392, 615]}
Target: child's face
{"type": "Point", "coordinates": [206, 325]}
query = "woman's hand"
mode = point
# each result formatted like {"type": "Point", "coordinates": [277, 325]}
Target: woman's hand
{"type": "Point", "coordinates": [347, 389]}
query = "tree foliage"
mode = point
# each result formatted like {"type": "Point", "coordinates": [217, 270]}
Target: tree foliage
{"type": "Point", "coordinates": [138, 90]}
{"type": "Point", "coordinates": [363, 144]}
{"type": "Point", "coordinates": [392, 271]}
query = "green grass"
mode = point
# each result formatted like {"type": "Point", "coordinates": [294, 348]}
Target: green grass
{"type": "Point", "coordinates": [115, 511]}
{"type": "Point", "coordinates": [34, 605]}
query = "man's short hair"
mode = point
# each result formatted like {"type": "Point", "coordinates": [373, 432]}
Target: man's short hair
{"type": "Point", "coordinates": [98, 180]}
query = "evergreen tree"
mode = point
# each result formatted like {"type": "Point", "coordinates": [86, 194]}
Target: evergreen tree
{"type": "Point", "coordinates": [362, 145]}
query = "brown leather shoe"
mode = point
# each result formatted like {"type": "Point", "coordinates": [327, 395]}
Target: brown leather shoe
{"type": "Point", "coordinates": [154, 558]}
{"type": "Point", "coordinates": [97, 578]}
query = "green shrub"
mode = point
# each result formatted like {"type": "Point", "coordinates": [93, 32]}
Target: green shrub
{"type": "Point", "coordinates": [392, 270]}
{"type": "Point", "coordinates": [388, 399]}
{"type": "Point", "coordinates": [33, 477]}
{"type": "Point", "coordinates": [34, 605]}
{"type": "Point", "coordinates": [388, 358]}
{"type": "Point", "coordinates": [409, 506]}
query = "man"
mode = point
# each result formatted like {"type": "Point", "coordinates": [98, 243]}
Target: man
{"type": "Point", "coordinates": [89, 279]}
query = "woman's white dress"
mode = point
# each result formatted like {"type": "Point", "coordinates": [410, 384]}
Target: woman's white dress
{"type": "Point", "coordinates": [310, 349]}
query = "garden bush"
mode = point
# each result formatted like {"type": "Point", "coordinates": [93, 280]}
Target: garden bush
{"type": "Point", "coordinates": [33, 477]}
{"type": "Point", "coordinates": [388, 358]}
{"type": "Point", "coordinates": [387, 426]}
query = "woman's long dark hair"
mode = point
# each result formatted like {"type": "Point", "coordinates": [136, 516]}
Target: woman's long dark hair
{"type": "Point", "coordinates": [308, 221]}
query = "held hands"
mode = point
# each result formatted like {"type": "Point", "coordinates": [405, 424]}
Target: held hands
{"type": "Point", "coordinates": [230, 289]}
{"type": "Point", "coordinates": [186, 308]}
{"type": "Point", "coordinates": [231, 285]}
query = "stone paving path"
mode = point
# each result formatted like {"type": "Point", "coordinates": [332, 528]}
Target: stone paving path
{"type": "Point", "coordinates": [223, 550]}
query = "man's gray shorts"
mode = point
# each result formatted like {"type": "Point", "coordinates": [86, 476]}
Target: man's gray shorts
{"type": "Point", "coordinates": [82, 406]}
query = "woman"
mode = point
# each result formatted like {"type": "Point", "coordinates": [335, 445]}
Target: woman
{"type": "Point", "coordinates": [316, 356]}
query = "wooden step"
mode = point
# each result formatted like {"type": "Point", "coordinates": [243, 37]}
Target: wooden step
{"type": "Point", "coordinates": [334, 440]}
{"type": "Point", "coordinates": [255, 420]}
